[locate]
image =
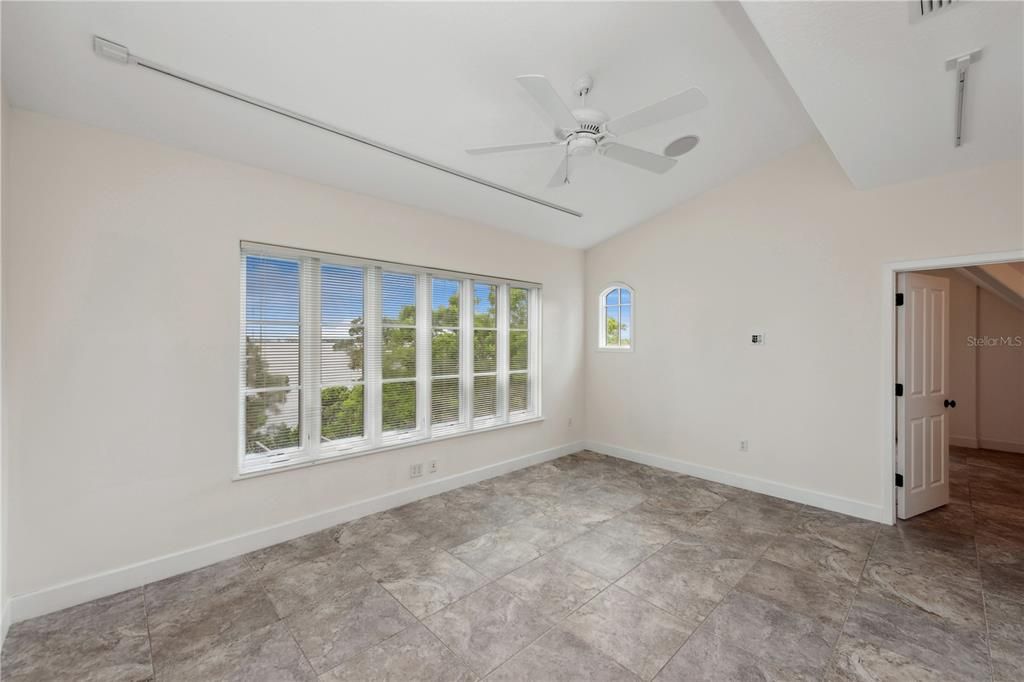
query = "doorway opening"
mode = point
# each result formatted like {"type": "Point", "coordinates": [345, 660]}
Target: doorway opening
{"type": "Point", "coordinates": [955, 387]}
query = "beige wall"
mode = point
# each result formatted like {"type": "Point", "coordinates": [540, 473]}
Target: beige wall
{"type": "Point", "coordinates": [120, 281]}
{"type": "Point", "coordinates": [790, 250]}
{"type": "Point", "coordinates": [987, 381]}
{"type": "Point", "coordinates": [1000, 375]}
{"type": "Point", "coordinates": [121, 306]}
{"type": "Point", "coordinates": [963, 358]}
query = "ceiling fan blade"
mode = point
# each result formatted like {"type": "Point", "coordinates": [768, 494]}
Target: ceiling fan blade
{"type": "Point", "coordinates": [558, 179]}
{"type": "Point", "coordinates": [677, 105]}
{"type": "Point", "coordinates": [512, 147]}
{"type": "Point", "coordinates": [545, 95]}
{"type": "Point", "coordinates": [655, 163]}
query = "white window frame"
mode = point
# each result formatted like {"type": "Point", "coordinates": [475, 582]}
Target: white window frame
{"type": "Point", "coordinates": [311, 450]}
{"type": "Point", "coordinates": [602, 319]}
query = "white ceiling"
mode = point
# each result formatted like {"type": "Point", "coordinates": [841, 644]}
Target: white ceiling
{"type": "Point", "coordinates": [877, 88]}
{"type": "Point", "coordinates": [430, 78]}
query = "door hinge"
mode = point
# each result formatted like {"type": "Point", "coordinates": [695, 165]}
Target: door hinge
{"type": "Point", "coordinates": [899, 389]}
{"type": "Point", "coordinates": [899, 480]}
{"type": "Point", "coordinates": [899, 299]}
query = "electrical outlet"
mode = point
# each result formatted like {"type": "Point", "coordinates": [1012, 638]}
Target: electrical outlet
{"type": "Point", "coordinates": [757, 339]}
{"type": "Point", "coordinates": [744, 446]}
{"type": "Point", "coordinates": [432, 469]}
{"type": "Point", "coordinates": [415, 470]}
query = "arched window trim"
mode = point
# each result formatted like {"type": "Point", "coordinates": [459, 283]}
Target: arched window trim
{"type": "Point", "coordinates": [602, 319]}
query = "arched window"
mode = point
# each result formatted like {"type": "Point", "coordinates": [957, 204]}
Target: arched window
{"type": "Point", "coordinates": [617, 303]}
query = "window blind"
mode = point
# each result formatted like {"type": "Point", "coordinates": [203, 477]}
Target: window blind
{"type": "Point", "coordinates": [485, 351]}
{"type": "Point", "coordinates": [342, 356]}
{"type": "Point", "coordinates": [342, 348]}
{"type": "Point", "coordinates": [446, 407]}
{"type": "Point", "coordinates": [519, 350]}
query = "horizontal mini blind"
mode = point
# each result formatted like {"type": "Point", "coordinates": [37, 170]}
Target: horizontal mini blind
{"type": "Point", "coordinates": [519, 350]}
{"type": "Point", "coordinates": [398, 353]}
{"type": "Point", "coordinates": [445, 342]}
{"type": "Point", "coordinates": [271, 356]}
{"type": "Point", "coordinates": [341, 351]}
{"type": "Point", "coordinates": [342, 356]}
{"type": "Point", "coordinates": [485, 351]}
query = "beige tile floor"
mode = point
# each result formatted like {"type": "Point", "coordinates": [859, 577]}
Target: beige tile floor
{"type": "Point", "coordinates": [584, 568]}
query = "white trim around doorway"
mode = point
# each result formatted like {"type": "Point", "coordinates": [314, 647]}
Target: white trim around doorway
{"type": "Point", "coordinates": [889, 272]}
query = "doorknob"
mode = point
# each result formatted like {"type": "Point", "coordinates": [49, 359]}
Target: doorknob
{"type": "Point", "coordinates": [949, 403]}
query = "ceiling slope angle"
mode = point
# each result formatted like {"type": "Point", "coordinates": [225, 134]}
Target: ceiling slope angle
{"type": "Point", "coordinates": [439, 80]}
{"type": "Point", "coordinates": [874, 78]}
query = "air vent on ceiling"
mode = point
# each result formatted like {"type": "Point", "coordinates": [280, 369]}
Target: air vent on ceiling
{"type": "Point", "coordinates": [921, 9]}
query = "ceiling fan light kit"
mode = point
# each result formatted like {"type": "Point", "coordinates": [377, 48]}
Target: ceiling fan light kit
{"type": "Point", "coordinates": [586, 131]}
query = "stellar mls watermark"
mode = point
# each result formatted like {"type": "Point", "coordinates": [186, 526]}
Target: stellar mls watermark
{"type": "Point", "coordinates": [993, 341]}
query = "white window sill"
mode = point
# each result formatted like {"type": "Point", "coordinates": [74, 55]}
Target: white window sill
{"type": "Point", "coordinates": [614, 350]}
{"type": "Point", "coordinates": [338, 456]}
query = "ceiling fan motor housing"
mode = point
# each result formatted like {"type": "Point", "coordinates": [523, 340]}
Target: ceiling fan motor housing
{"type": "Point", "coordinates": [584, 140]}
{"type": "Point", "coordinates": [589, 119]}
{"type": "Point", "coordinates": [585, 131]}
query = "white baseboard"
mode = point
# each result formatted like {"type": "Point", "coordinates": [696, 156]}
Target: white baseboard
{"type": "Point", "coordinates": [75, 592]}
{"type": "Point", "coordinates": [830, 502]}
{"type": "Point", "coordinates": [964, 442]}
{"type": "Point", "coordinates": [1004, 445]}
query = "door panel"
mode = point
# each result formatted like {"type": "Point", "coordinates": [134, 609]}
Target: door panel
{"type": "Point", "coordinates": [922, 362]}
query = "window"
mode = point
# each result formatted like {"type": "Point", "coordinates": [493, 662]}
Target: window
{"type": "Point", "coordinates": [342, 357]}
{"type": "Point", "coordinates": [485, 351]}
{"type": "Point", "coordinates": [616, 318]}
{"type": "Point", "coordinates": [519, 350]}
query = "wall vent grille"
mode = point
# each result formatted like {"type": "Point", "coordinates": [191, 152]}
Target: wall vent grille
{"type": "Point", "coordinates": [921, 9]}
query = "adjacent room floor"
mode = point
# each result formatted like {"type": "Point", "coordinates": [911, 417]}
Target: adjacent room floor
{"type": "Point", "coordinates": [588, 568]}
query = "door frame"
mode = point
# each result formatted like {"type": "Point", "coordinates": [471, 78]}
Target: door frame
{"type": "Point", "coordinates": [889, 272]}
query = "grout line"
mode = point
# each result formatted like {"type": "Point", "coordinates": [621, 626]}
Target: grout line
{"type": "Point", "coordinates": [981, 578]}
{"type": "Point", "coordinates": [298, 646]}
{"type": "Point", "coordinates": [560, 621]}
{"type": "Point", "coordinates": [988, 634]}
{"type": "Point", "coordinates": [725, 597]}
{"type": "Point", "coordinates": [419, 621]}
{"type": "Point", "coordinates": [494, 581]}
{"type": "Point", "coordinates": [149, 634]}
{"type": "Point", "coordinates": [853, 600]}
{"type": "Point", "coordinates": [555, 622]}
{"type": "Point", "coordinates": [283, 619]}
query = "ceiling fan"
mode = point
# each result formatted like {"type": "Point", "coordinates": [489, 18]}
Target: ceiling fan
{"type": "Point", "coordinates": [584, 131]}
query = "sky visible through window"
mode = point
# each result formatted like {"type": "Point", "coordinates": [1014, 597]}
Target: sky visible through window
{"type": "Point", "coordinates": [618, 317]}
{"type": "Point", "coordinates": [276, 386]}
{"type": "Point", "coordinates": [272, 295]}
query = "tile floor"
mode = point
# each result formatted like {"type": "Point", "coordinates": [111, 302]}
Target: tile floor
{"type": "Point", "coordinates": [584, 568]}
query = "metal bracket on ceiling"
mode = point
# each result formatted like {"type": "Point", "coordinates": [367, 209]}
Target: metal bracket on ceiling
{"type": "Point", "coordinates": [119, 53]}
{"type": "Point", "coordinates": [110, 50]}
{"type": "Point", "coordinates": [961, 65]}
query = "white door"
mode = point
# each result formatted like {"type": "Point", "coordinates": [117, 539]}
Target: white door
{"type": "Point", "coordinates": [922, 362]}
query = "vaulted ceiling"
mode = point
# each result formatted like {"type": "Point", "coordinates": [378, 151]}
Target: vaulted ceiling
{"type": "Point", "coordinates": [436, 78]}
{"type": "Point", "coordinates": [876, 85]}
{"type": "Point", "coordinates": [429, 78]}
